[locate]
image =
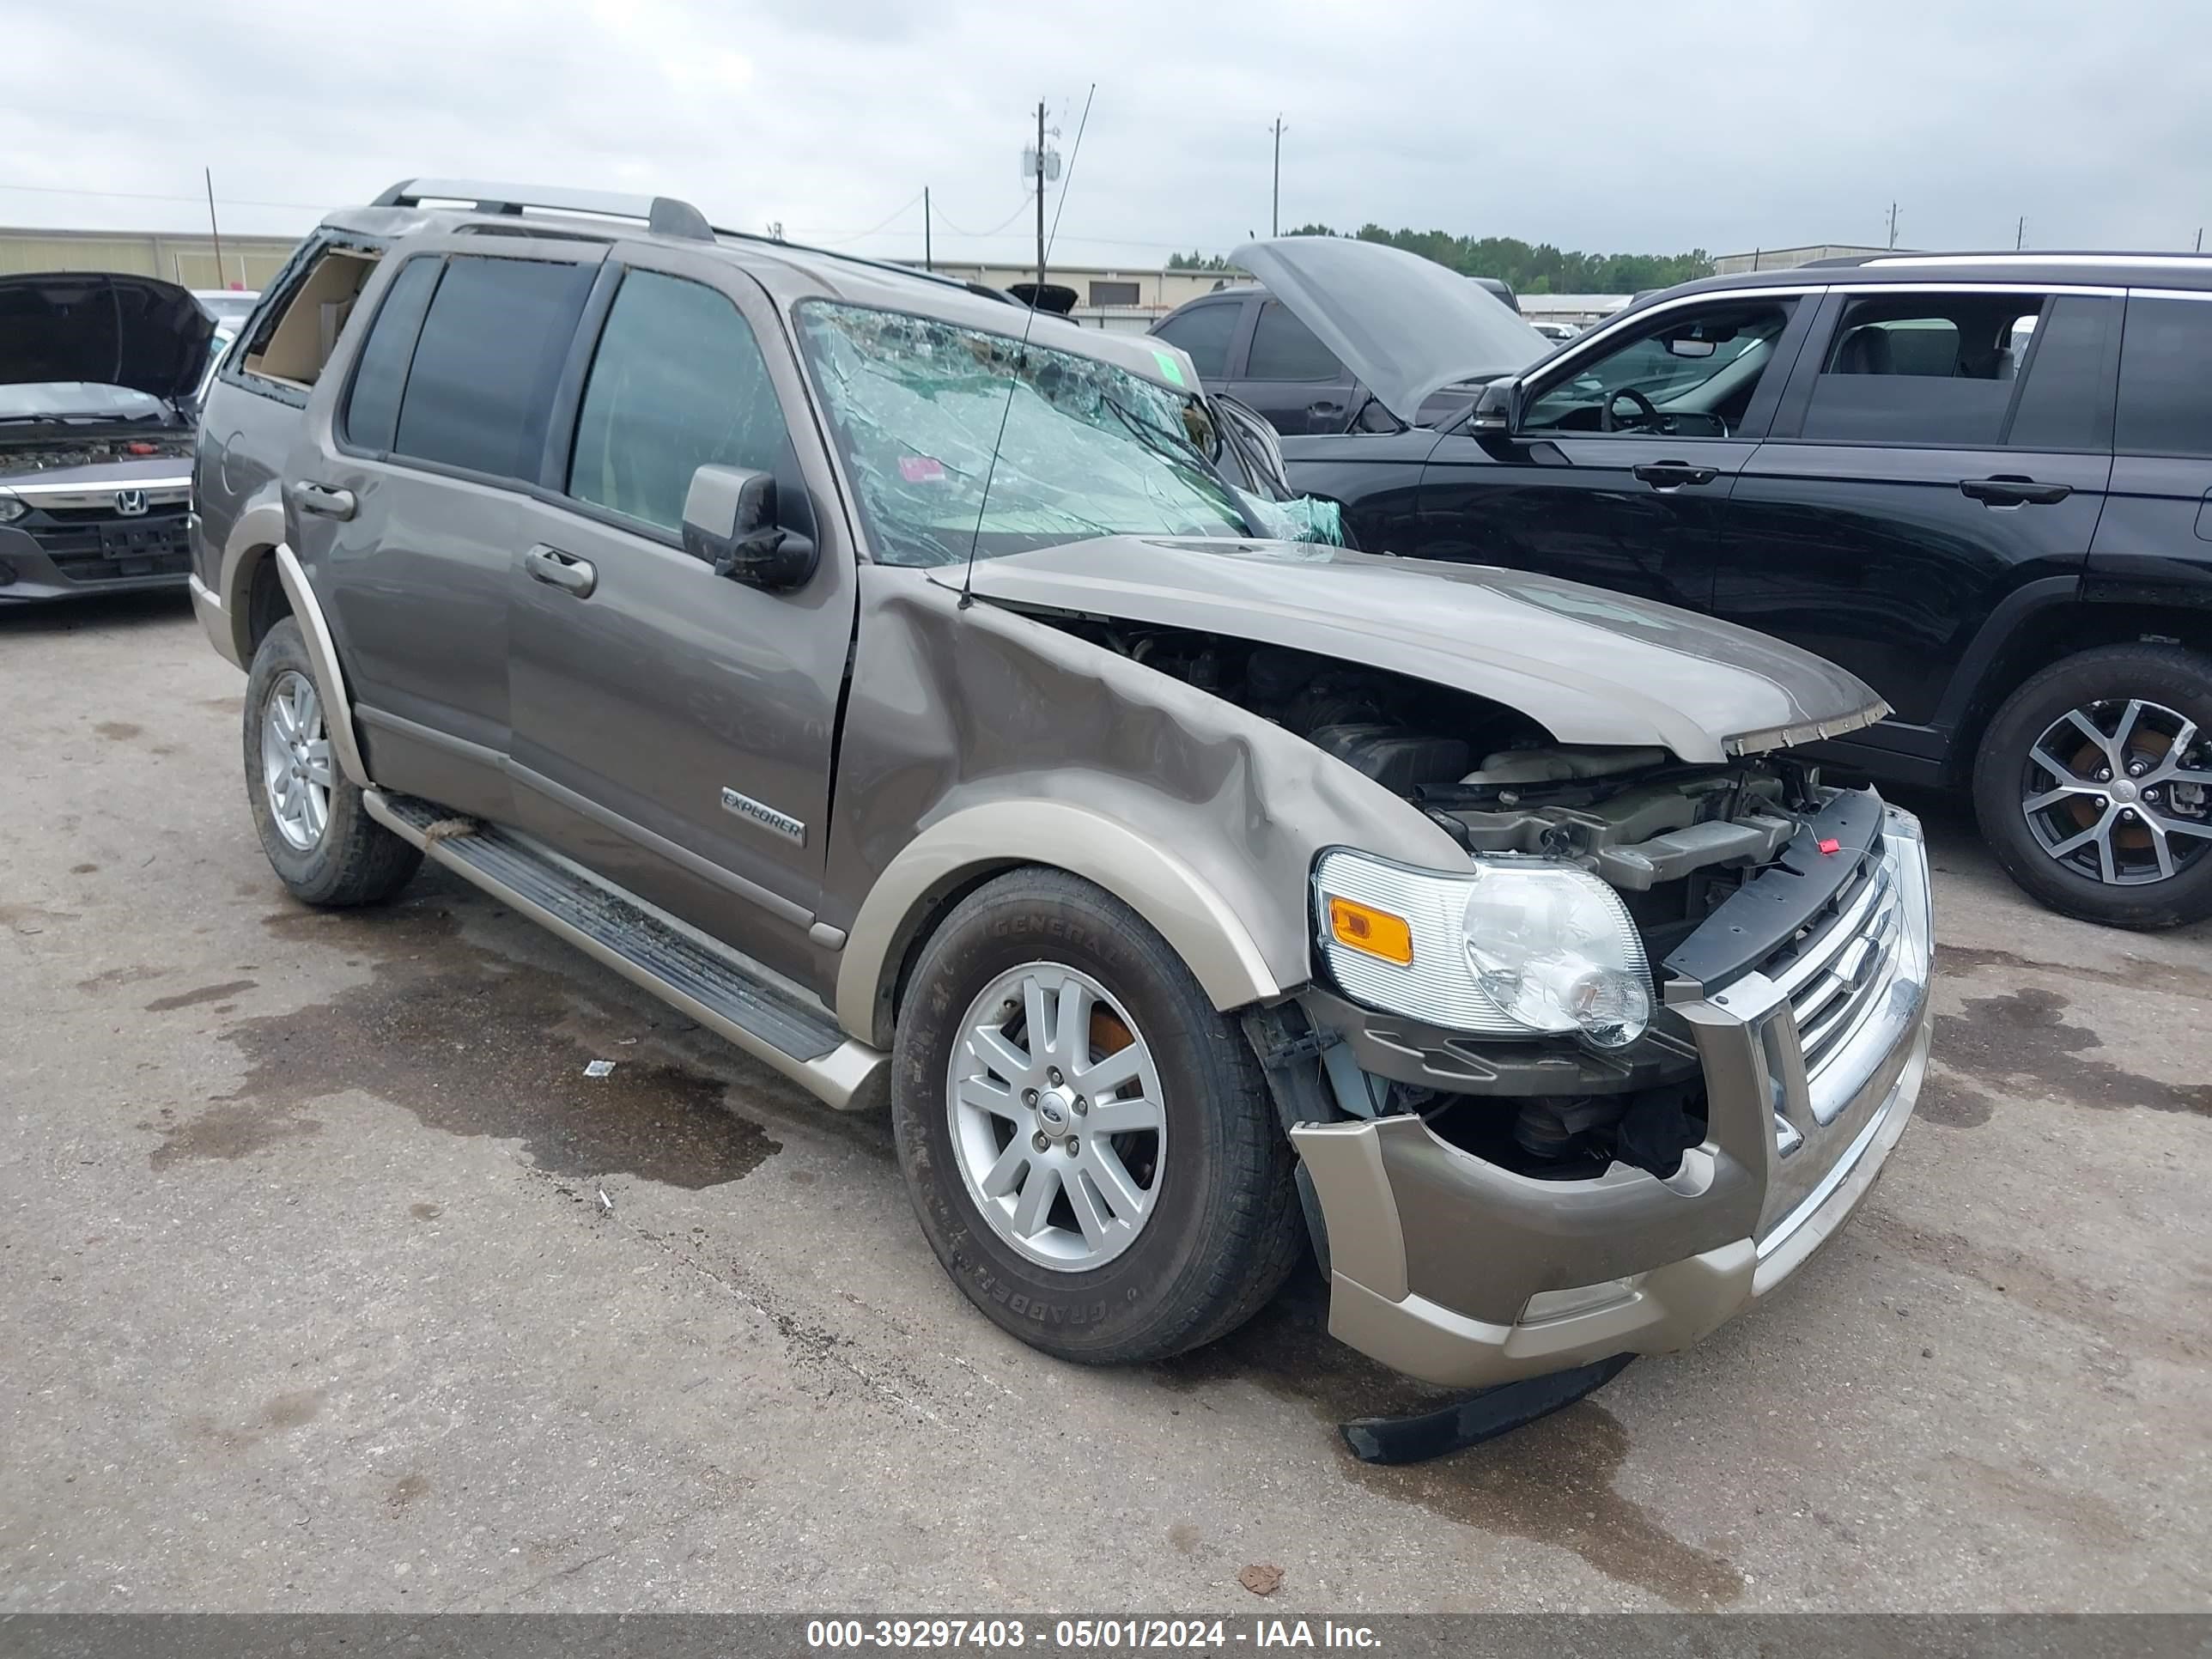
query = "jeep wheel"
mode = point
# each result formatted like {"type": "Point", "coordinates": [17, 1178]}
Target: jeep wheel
{"type": "Point", "coordinates": [318, 834]}
{"type": "Point", "coordinates": [2094, 785]}
{"type": "Point", "coordinates": [1091, 1147]}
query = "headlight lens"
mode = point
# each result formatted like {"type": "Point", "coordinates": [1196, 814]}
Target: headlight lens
{"type": "Point", "coordinates": [12, 507]}
{"type": "Point", "coordinates": [1514, 947]}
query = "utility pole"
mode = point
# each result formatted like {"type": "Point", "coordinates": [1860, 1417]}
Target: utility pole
{"type": "Point", "coordinates": [1275, 200]}
{"type": "Point", "coordinates": [2020, 234]}
{"type": "Point", "coordinates": [213, 230]}
{"type": "Point", "coordinates": [926, 264]}
{"type": "Point", "coordinates": [2200, 239]}
{"type": "Point", "coordinates": [1892, 224]}
{"type": "Point", "coordinates": [1039, 198]}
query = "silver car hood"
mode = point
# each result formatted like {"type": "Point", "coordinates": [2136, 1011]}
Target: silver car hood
{"type": "Point", "coordinates": [1590, 666]}
{"type": "Point", "coordinates": [1405, 326]}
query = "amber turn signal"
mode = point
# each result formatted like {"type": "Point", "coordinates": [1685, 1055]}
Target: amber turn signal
{"type": "Point", "coordinates": [1363, 928]}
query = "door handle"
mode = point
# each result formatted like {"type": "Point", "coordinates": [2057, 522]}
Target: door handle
{"type": "Point", "coordinates": [324, 501]}
{"type": "Point", "coordinates": [1672, 475]}
{"type": "Point", "coordinates": [554, 569]}
{"type": "Point", "coordinates": [2008, 490]}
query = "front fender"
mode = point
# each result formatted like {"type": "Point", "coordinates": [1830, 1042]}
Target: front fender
{"type": "Point", "coordinates": [1187, 912]}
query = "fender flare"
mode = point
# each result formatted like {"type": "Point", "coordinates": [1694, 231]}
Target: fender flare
{"type": "Point", "coordinates": [323, 656]}
{"type": "Point", "coordinates": [1196, 921]}
{"type": "Point", "coordinates": [256, 535]}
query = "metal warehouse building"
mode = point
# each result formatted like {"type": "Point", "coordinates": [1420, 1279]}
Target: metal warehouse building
{"type": "Point", "coordinates": [247, 261]}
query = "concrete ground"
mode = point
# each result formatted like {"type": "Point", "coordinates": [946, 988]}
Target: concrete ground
{"type": "Point", "coordinates": [309, 1298]}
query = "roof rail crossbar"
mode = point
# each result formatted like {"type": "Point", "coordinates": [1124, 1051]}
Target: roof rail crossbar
{"type": "Point", "coordinates": [664, 216]}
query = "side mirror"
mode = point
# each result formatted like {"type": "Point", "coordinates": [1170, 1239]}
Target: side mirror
{"type": "Point", "coordinates": [730, 522]}
{"type": "Point", "coordinates": [1495, 408]}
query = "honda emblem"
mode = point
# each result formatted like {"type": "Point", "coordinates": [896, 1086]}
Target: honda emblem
{"type": "Point", "coordinates": [131, 503]}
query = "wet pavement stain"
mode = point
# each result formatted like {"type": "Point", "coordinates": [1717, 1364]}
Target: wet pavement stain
{"type": "Point", "coordinates": [1952, 1103]}
{"type": "Point", "coordinates": [1550, 1483]}
{"type": "Point", "coordinates": [230, 1133]}
{"type": "Point", "coordinates": [83, 869]}
{"type": "Point", "coordinates": [474, 1044]}
{"type": "Point", "coordinates": [2022, 1038]}
{"type": "Point", "coordinates": [1954, 961]}
{"type": "Point", "coordinates": [405, 1489]}
{"type": "Point", "coordinates": [426, 1211]}
{"type": "Point", "coordinates": [100, 981]}
{"type": "Point", "coordinates": [119, 731]}
{"type": "Point", "coordinates": [205, 993]}
{"type": "Point", "coordinates": [286, 1411]}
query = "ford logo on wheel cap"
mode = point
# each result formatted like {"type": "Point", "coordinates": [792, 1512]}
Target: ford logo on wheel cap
{"type": "Point", "coordinates": [131, 503]}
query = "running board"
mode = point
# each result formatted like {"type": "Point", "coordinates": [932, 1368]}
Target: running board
{"type": "Point", "coordinates": [683, 969]}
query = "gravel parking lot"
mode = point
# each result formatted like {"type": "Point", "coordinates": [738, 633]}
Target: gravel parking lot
{"type": "Point", "coordinates": [313, 1299]}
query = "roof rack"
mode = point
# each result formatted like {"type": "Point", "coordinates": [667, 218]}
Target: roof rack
{"type": "Point", "coordinates": [980, 290]}
{"type": "Point", "coordinates": [664, 216]}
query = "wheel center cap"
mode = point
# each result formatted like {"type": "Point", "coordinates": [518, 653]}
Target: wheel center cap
{"type": "Point", "coordinates": [2123, 791]}
{"type": "Point", "coordinates": [1055, 1111]}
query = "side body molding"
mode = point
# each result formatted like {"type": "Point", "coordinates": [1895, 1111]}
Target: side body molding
{"type": "Point", "coordinates": [323, 652]}
{"type": "Point", "coordinates": [1190, 915]}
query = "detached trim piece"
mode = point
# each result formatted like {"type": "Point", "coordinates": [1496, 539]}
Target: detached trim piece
{"type": "Point", "coordinates": [323, 652]}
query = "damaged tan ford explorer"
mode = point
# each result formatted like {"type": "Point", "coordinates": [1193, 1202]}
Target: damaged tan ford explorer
{"type": "Point", "coordinates": [902, 686]}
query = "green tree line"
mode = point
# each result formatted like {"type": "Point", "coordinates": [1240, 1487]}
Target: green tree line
{"type": "Point", "coordinates": [1531, 269]}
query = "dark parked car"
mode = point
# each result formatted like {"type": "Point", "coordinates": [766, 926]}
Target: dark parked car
{"type": "Point", "coordinates": [1249, 344]}
{"type": "Point", "coordinates": [98, 373]}
{"type": "Point", "coordinates": [1983, 483]}
{"type": "Point", "coordinates": [890, 679]}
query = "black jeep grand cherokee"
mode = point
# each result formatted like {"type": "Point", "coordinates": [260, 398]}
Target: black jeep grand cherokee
{"type": "Point", "coordinates": [1982, 482]}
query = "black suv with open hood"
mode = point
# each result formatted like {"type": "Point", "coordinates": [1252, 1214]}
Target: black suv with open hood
{"type": "Point", "coordinates": [97, 373]}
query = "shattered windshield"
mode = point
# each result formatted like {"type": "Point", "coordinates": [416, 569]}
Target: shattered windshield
{"type": "Point", "coordinates": [917, 405]}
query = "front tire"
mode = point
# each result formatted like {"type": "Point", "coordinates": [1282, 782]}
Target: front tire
{"type": "Point", "coordinates": [2094, 785]}
{"type": "Point", "coordinates": [1091, 1147]}
{"type": "Point", "coordinates": [313, 822]}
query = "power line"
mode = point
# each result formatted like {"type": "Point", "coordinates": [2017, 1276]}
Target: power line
{"type": "Point", "coordinates": [1026, 197]}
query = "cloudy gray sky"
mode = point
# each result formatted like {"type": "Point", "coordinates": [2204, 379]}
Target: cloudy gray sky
{"type": "Point", "coordinates": [1608, 127]}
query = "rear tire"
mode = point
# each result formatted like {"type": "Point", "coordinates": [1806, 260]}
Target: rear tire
{"type": "Point", "coordinates": [313, 824]}
{"type": "Point", "coordinates": [2111, 877]}
{"type": "Point", "coordinates": [1220, 1229]}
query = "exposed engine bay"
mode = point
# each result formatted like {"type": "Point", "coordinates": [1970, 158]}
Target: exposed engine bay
{"type": "Point", "coordinates": [40, 455]}
{"type": "Point", "coordinates": [1675, 841]}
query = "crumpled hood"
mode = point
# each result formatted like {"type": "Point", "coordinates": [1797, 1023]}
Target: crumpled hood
{"type": "Point", "coordinates": [1591, 667]}
{"type": "Point", "coordinates": [103, 328]}
{"type": "Point", "coordinates": [1405, 326]}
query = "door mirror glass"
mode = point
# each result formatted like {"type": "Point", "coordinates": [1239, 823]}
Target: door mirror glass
{"type": "Point", "coordinates": [730, 522]}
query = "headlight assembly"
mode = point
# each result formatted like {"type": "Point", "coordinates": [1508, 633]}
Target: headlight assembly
{"type": "Point", "coordinates": [1514, 947]}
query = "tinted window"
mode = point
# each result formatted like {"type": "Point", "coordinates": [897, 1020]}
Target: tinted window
{"type": "Point", "coordinates": [1115, 294]}
{"type": "Point", "coordinates": [491, 349]}
{"type": "Point", "coordinates": [1284, 348]}
{"type": "Point", "coordinates": [1921, 368]}
{"type": "Point", "coordinates": [372, 412]}
{"type": "Point", "coordinates": [677, 383]}
{"type": "Point", "coordinates": [2165, 378]}
{"type": "Point", "coordinates": [1203, 333]}
{"type": "Point", "coordinates": [2067, 403]}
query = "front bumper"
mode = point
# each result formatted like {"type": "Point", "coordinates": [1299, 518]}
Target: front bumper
{"type": "Point", "coordinates": [79, 538]}
{"type": "Point", "coordinates": [1457, 1271]}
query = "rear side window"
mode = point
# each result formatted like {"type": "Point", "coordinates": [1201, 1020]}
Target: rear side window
{"type": "Point", "coordinates": [1284, 348]}
{"type": "Point", "coordinates": [1923, 368]}
{"type": "Point", "coordinates": [372, 410]}
{"type": "Point", "coordinates": [481, 383]}
{"type": "Point", "coordinates": [677, 383]}
{"type": "Point", "coordinates": [2067, 403]}
{"type": "Point", "coordinates": [1203, 333]}
{"type": "Point", "coordinates": [2165, 378]}
{"type": "Point", "coordinates": [289, 339]}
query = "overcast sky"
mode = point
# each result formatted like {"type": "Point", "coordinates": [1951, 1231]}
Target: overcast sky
{"type": "Point", "coordinates": [1609, 128]}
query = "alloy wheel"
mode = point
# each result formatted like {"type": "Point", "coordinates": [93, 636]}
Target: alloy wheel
{"type": "Point", "coordinates": [1057, 1120]}
{"type": "Point", "coordinates": [2120, 791]}
{"type": "Point", "coordinates": [296, 761]}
